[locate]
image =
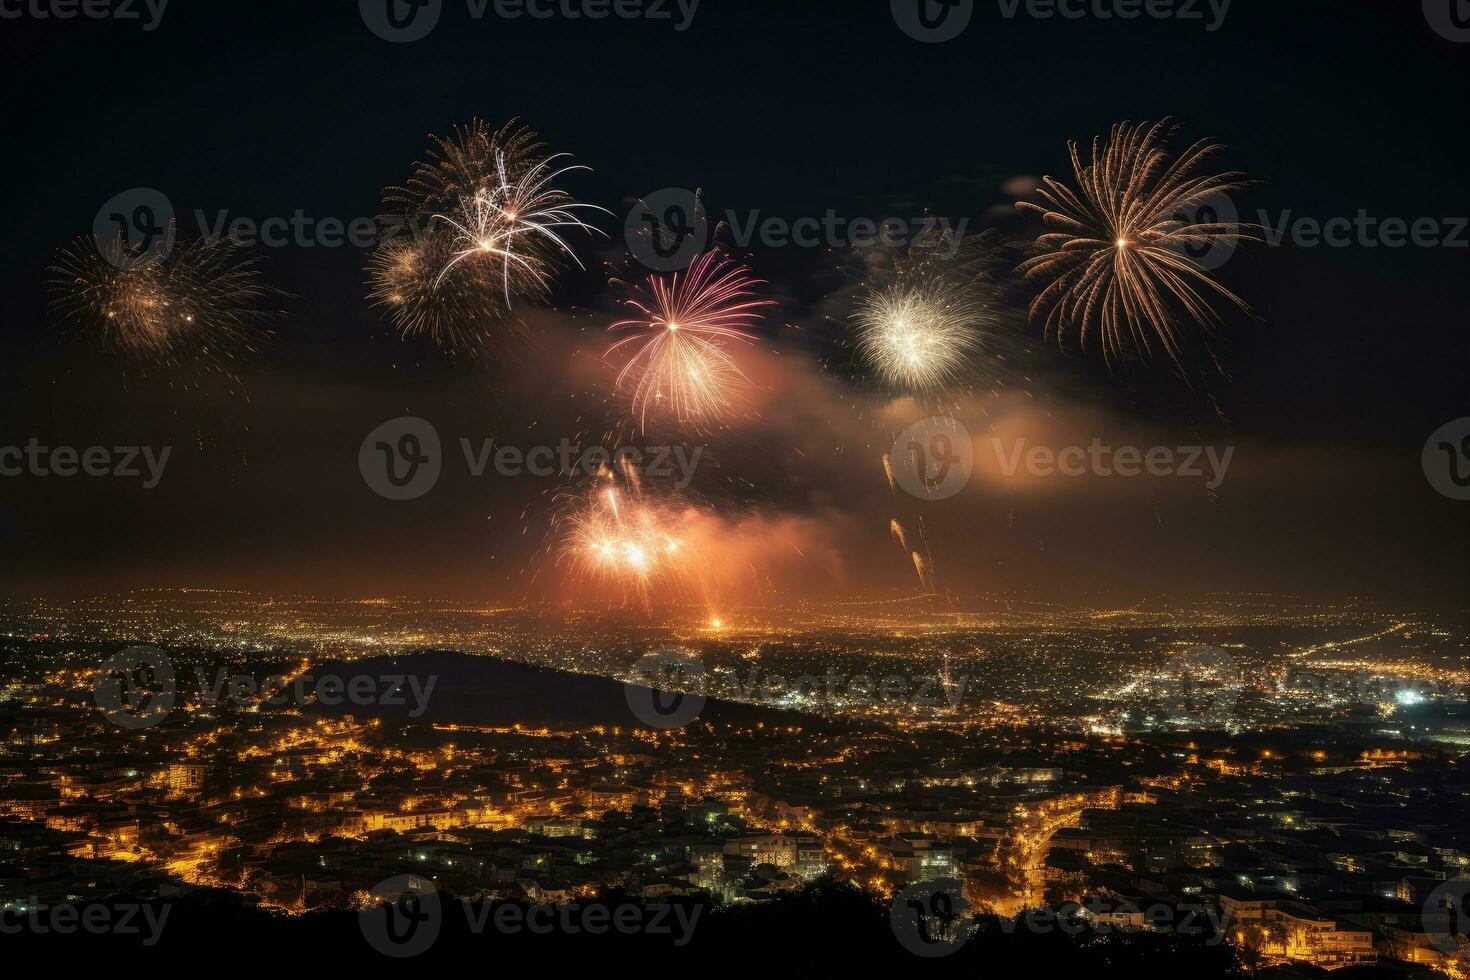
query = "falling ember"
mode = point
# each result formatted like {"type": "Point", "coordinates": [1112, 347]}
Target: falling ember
{"type": "Point", "coordinates": [1119, 264]}
{"type": "Point", "coordinates": [896, 529]}
{"type": "Point", "coordinates": [681, 364]}
{"type": "Point", "coordinates": [922, 568]}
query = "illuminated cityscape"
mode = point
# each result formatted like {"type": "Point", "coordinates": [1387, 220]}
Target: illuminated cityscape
{"type": "Point", "coordinates": [736, 487]}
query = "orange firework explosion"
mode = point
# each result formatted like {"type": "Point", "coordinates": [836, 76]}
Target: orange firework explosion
{"type": "Point", "coordinates": [1120, 263]}
{"type": "Point", "coordinates": [682, 365]}
{"type": "Point", "coordinates": [618, 536]}
{"type": "Point", "coordinates": [201, 300]}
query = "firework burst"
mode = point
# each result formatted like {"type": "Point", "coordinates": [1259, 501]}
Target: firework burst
{"type": "Point", "coordinates": [618, 537]}
{"type": "Point", "coordinates": [1119, 263]}
{"type": "Point", "coordinates": [487, 227]}
{"type": "Point", "coordinates": [202, 301]}
{"type": "Point", "coordinates": [929, 324]}
{"type": "Point", "coordinates": [680, 362]}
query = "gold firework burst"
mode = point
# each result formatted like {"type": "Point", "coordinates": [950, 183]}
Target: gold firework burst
{"type": "Point", "coordinates": [479, 223]}
{"type": "Point", "coordinates": [1120, 263]}
{"type": "Point", "coordinates": [202, 300]}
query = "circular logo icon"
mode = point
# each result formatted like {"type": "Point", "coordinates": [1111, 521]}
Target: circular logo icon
{"type": "Point", "coordinates": [931, 918]}
{"type": "Point", "coordinates": [669, 688]}
{"type": "Point", "coordinates": [1447, 916]}
{"type": "Point", "coordinates": [1446, 459]}
{"type": "Point", "coordinates": [1202, 685]}
{"type": "Point", "coordinates": [933, 21]}
{"type": "Point", "coordinates": [135, 688]}
{"type": "Point", "coordinates": [401, 21]}
{"type": "Point", "coordinates": [404, 918]}
{"type": "Point", "coordinates": [135, 227]}
{"type": "Point", "coordinates": [1449, 18]}
{"type": "Point", "coordinates": [401, 459]}
{"type": "Point", "coordinates": [667, 230]}
{"type": "Point", "coordinates": [1205, 234]}
{"type": "Point", "coordinates": [933, 458]}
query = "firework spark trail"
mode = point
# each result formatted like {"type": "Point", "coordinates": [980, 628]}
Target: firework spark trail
{"type": "Point", "coordinates": [896, 529]}
{"type": "Point", "coordinates": [513, 222]}
{"type": "Point", "coordinates": [201, 302]}
{"type": "Point", "coordinates": [1119, 263]}
{"type": "Point", "coordinates": [681, 363]}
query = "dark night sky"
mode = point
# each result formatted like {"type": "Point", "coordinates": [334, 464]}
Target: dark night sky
{"type": "Point", "coordinates": [264, 108]}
